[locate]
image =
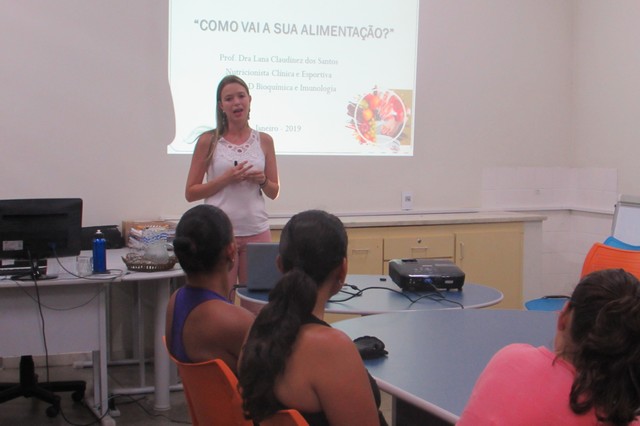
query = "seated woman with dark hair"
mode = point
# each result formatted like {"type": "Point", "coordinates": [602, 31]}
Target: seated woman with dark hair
{"type": "Point", "coordinates": [202, 324]}
{"type": "Point", "coordinates": [593, 378]}
{"type": "Point", "coordinates": [292, 358]}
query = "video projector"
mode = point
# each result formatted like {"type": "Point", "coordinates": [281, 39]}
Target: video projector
{"type": "Point", "coordinates": [426, 274]}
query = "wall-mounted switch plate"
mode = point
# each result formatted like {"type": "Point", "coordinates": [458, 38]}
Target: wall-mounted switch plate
{"type": "Point", "coordinates": [407, 200]}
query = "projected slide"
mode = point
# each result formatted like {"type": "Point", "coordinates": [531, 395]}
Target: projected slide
{"type": "Point", "coordinates": [332, 77]}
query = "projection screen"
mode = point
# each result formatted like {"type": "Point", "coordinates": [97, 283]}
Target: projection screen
{"type": "Point", "coordinates": [335, 77]}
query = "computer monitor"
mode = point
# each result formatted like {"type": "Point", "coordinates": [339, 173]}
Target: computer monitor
{"type": "Point", "coordinates": [40, 228]}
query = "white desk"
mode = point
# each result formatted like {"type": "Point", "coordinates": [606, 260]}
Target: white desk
{"type": "Point", "coordinates": [161, 363]}
{"type": "Point", "coordinates": [84, 328]}
{"type": "Point", "coordinates": [75, 320]}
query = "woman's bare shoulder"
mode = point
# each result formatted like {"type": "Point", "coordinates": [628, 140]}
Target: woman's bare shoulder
{"type": "Point", "coordinates": [229, 319]}
{"type": "Point", "coordinates": [206, 137]}
{"type": "Point", "coordinates": [265, 138]}
{"type": "Point", "coordinates": [327, 341]}
{"type": "Point", "coordinates": [228, 311]}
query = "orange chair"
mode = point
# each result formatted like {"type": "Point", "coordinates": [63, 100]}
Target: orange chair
{"type": "Point", "coordinates": [211, 391]}
{"type": "Point", "coordinates": [602, 256]}
{"type": "Point", "coordinates": [285, 418]}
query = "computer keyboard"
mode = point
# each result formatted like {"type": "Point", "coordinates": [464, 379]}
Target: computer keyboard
{"type": "Point", "coordinates": [13, 269]}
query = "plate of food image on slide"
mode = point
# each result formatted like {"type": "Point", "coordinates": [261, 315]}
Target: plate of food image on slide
{"type": "Point", "coordinates": [378, 119]}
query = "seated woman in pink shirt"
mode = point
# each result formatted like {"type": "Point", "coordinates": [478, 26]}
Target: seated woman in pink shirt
{"type": "Point", "coordinates": [591, 378]}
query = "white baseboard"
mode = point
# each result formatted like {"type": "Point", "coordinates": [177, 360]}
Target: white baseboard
{"type": "Point", "coordinates": [54, 360]}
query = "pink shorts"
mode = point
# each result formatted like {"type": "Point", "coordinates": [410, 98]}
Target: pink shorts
{"type": "Point", "coordinates": [238, 274]}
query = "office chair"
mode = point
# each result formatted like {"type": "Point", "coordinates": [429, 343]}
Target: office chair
{"type": "Point", "coordinates": [30, 387]}
{"type": "Point", "coordinates": [615, 242]}
{"type": "Point", "coordinates": [602, 256]}
{"type": "Point", "coordinates": [211, 391]}
{"type": "Point", "coordinates": [547, 303]}
{"type": "Point", "coordinates": [285, 418]}
{"type": "Point", "coordinates": [613, 253]}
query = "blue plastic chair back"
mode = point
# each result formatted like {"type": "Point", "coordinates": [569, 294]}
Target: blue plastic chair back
{"type": "Point", "coordinates": [546, 303]}
{"type": "Point", "coordinates": [614, 242]}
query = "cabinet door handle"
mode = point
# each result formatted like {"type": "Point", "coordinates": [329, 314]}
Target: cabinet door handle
{"type": "Point", "coordinates": [461, 250]}
{"type": "Point", "coordinates": [360, 250]}
{"type": "Point", "coordinates": [419, 248]}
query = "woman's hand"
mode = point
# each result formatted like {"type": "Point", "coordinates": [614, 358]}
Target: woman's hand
{"type": "Point", "coordinates": [256, 177]}
{"type": "Point", "coordinates": [241, 172]}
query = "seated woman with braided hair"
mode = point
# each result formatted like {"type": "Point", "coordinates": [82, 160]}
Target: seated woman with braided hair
{"type": "Point", "coordinates": [593, 378]}
{"type": "Point", "coordinates": [201, 323]}
{"type": "Point", "coordinates": [292, 358]}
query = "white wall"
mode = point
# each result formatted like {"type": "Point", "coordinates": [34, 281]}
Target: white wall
{"type": "Point", "coordinates": [578, 204]}
{"type": "Point", "coordinates": [86, 109]}
{"type": "Point", "coordinates": [606, 95]}
{"type": "Point", "coordinates": [605, 99]}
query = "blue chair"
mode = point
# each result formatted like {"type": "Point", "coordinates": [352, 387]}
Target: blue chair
{"type": "Point", "coordinates": [614, 242]}
{"type": "Point", "coordinates": [547, 303]}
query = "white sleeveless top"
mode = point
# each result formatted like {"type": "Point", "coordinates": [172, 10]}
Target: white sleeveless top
{"type": "Point", "coordinates": [243, 201]}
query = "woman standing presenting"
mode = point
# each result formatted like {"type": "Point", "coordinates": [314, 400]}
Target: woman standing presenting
{"type": "Point", "coordinates": [240, 166]}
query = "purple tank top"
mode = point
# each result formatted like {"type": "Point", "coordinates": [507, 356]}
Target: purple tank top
{"type": "Point", "coordinates": [187, 299]}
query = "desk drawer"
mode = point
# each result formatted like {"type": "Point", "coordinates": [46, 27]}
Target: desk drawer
{"type": "Point", "coordinates": [365, 255]}
{"type": "Point", "coordinates": [419, 247]}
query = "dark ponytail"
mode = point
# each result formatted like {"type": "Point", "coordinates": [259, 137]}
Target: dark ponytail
{"type": "Point", "coordinates": [270, 342]}
{"type": "Point", "coordinates": [312, 245]}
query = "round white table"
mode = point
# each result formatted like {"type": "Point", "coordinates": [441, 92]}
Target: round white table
{"type": "Point", "coordinates": [379, 294]}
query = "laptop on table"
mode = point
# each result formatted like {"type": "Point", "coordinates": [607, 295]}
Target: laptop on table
{"type": "Point", "coordinates": [262, 271]}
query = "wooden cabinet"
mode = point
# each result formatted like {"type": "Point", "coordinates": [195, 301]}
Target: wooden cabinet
{"type": "Point", "coordinates": [493, 257]}
{"type": "Point", "coordinates": [490, 254]}
{"type": "Point", "coordinates": [364, 252]}
{"type": "Point", "coordinates": [420, 246]}
{"type": "Point", "coordinates": [365, 255]}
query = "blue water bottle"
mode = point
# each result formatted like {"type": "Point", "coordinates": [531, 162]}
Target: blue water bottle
{"type": "Point", "coordinates": [99, 253]}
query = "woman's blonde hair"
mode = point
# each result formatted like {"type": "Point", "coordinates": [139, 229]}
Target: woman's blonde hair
{"type": "Point", "coordinates": [221, 119]}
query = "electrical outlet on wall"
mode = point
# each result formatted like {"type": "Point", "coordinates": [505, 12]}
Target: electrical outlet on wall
{"type": "Point", "coordinates": [407, 200]}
